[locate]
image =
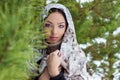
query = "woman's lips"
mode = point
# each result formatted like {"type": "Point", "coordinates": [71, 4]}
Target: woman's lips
{"type": "Point", "coordinates": [53, 38]}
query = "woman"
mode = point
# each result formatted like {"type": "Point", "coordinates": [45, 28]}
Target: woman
{"type": "Point", "coordinates": [62, 59]}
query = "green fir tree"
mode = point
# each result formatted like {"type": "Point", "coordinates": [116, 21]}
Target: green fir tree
{"type": "Point", "coordinates": [20, 32]}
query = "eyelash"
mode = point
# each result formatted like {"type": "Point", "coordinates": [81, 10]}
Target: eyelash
{"type": "Point", "coordinates": [61, 26]}
{"type": "Point", "coordinates": [50, 25]}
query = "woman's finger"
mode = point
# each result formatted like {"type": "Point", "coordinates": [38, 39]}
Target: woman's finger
{"type": "Point", "coordinates": [59, 68]}
{"type": "Point", "coordinates": [56, 52]}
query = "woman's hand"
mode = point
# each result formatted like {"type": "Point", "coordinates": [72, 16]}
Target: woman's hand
{"type": "Point", "coordinates": [53, 63]}
{"type": "Point", "coordinates": [45, 75]}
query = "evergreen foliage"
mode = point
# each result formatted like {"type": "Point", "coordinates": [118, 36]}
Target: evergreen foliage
{"type": "Point", "coordinates": [19, 34]}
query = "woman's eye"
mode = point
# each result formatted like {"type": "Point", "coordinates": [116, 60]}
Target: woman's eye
{"type": "Point", "coordinates": [48, 25]}
{"type": "Point", "coordinates": [61, 26]}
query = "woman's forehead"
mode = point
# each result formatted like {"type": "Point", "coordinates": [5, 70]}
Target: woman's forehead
{"type": "Point", "coordinates": [55, 17]}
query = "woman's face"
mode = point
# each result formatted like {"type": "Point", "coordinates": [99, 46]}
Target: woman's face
{"type": "Point", "coordinates": [55, 27]}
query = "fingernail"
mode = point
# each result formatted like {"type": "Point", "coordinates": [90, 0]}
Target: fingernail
{"type": "Point", "coordinates": [59, 54]}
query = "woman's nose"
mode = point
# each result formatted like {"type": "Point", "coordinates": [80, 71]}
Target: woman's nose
{"type": "Point", "coordinates": [54, 30]}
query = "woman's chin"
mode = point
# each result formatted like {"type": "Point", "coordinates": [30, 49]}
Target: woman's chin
{"type": "Point", "coordinates": [53, 42]}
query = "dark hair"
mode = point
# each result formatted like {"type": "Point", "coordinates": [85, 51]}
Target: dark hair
{"type": "Point", "coordinates": [60, 11]}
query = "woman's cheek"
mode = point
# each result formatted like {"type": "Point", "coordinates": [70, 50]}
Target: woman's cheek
{"type": "Point", "coordinates": [47, 33]}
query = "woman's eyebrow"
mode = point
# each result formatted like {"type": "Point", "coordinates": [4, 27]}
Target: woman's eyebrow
{"type": "Point", "coordinates": [61, 22]}
{"type": "Point", "coordinates": [49, 21]}
{"type": "Point", "coordinates": [52, 23]}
